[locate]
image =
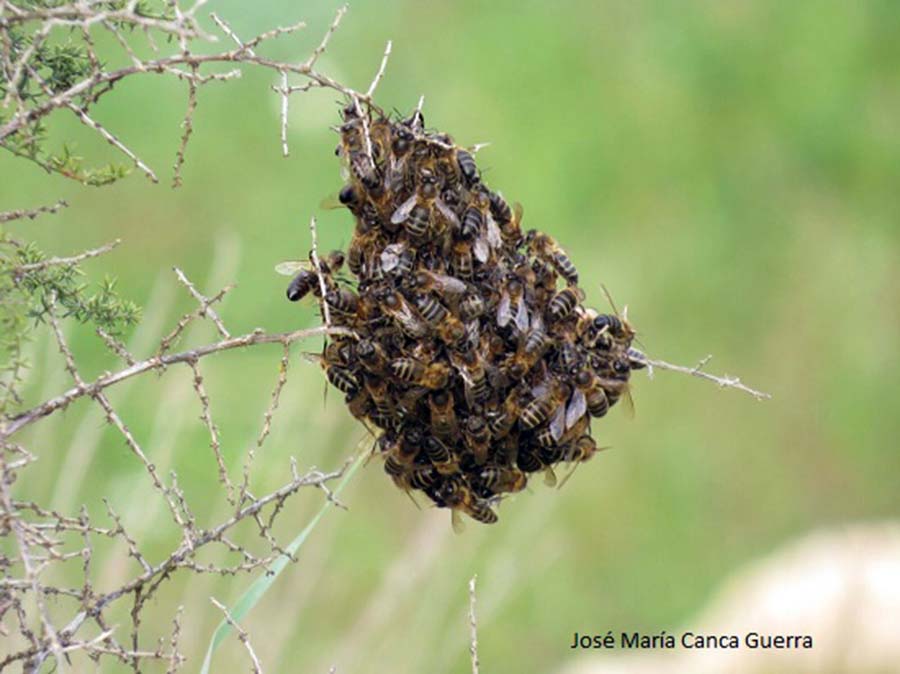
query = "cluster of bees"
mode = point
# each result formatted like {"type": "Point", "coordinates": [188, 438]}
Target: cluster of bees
{"type": "Point", "coordinates": [472, 359]}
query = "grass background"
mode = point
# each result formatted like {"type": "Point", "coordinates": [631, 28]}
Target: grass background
{"type": "Point", "coordinates": [729, 170]}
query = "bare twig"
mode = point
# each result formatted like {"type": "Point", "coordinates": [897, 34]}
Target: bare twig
{"type": "Point", "coordinates": [473, 626]}
{"type": "Point", "coordinates": [314, 254]}
{"type": "Point", "coordinates": [31, 214]}
{"type": "Point", "coordinates": [65, 261]}
{"type": "Point", "coordinates": [377, 79]}
{"type": "Point", "coordinates": [242, 634]}
{"type": "Point", "coordinates": [22, 420]}
{"type": "Point", "coordinates": [697, 371]}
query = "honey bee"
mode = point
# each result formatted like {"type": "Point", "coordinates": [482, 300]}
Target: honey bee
{"type": "Point", "coordinates": [381, 401]}
{"type": "Point", "coordinates": [305, 278]}
{"type": "Point", "coordinates": [354, 151]}
{"type": "Point", "coordinates": [342, 378]}
{"type": "Point", "coordinates": [474, 376]}
{"type": "Point", "coordinates": [431, 376]}
{"type": "Point", "coordinates": [472, 222]}
{"type": "Point", "coordinates": [393, 304]}
{"type": "Point", "coordinates": [342, 300]}
{"type": "Point", "coordinates": [443, 416]}
{"type": "Point", "coordinates": [371, 356]}
{"type": "Point", "coordinates": [440, 283]}
{"type": "Point", "coordinates": [397, 258]}
{"type": "Point", "coordinates": [529, 352]}
{"type": "Point", "coordinates": [595, 396]}
{"type": "Point", "coordinates": [471, 307]}
{"type": "Point", "coordinates": [441, 458]}
{"type": "Point", "coordinates": [461, 260]}
{"type": "Point", "coordinates": [457, 495]}
{"type": "Point", "coordinates": [502, 479]}
{"type": "Point", "coordinates": [478, 437]}
{"type": "Point", "coordinates": [507, 218]}
{"type": "Point", "coordinates": [416, 214]}
{"type": "Point", "coordinates": [545, 247]}
{"type": "Point", "coordinates": [511, 304]}
{"type": "Point", "coordinates": [563, 303]}
{"type": "Point", "coordinates": [467, 167]}
{"type": "Point", "coordinates": [549, 400]}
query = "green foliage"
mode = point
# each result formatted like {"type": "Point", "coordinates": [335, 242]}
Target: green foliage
{"type": "Point", "coordinates": [31, 286]}
{"type": "Point", "coordinates": [48, 65]}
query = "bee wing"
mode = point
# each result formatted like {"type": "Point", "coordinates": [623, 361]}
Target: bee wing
{"type": "Point", "coordinates": [291, 267]}
{"type": "Point", "coordinates": [446, 211]}
{"type": "Point", "coordinates": [481, 249]}
{"type": "Point", "coordinates": [518, 212]}
{"type": "Point", "coordinates": [549, 477]}
{"type": "Point", "coordinates": [577, 408]}
{"type": "Point", "coordinates": [493, 233]}
{"type": "Point", "coordinates": [390, 256]}
{"type": "Point", "coordinates": [522, 316]}
{"type": "Point", "coordinates": [558, 423]}
{"type": "Point", "coordinates": [404, 210]}
{"type": "Point", "coordinates": [331, 203]}
{"type": "Point", "coordinates": [456, 521]}
{"type": "Point", "coordinates": [504, 313]}
{"type": "Point", "coordinates": [449, 284]}
{"type": "Point", "coordinates": [537, 321]}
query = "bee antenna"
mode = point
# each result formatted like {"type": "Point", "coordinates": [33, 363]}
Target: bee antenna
{"type": "Point", "coordinates": [610, 299]}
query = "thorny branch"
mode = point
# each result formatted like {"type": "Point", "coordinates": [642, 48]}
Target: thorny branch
{"type": "Point", "coordinates": [697, 371]}
{"type": "Point", "coordinates": [43, 538]}
{"type": "Point", "coordinates": [30, 98]}
{"type": "Point", "coordinates": [473, 626]}
{"type": "Point", "coordinates": [242, 635]}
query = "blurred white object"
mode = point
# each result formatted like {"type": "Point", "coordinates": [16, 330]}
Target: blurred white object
{"type": "Point", "coordinates": [841, 586]}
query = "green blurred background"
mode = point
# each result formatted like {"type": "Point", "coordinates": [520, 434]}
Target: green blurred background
{"type": "Point", "coordinates": [731, 171]}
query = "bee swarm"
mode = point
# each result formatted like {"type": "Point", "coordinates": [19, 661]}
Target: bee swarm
{"type": "Point", "coordinates": [472, 354]}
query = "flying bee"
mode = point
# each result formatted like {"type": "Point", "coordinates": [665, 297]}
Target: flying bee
{"type": "Point", "coordinates": [512, 305]}
{"type": "Point", "coordinates": [431, 376]}
{"type": "Point", "coordinates": [563, 303]}
{"type": "Point", "coordinates": [393, 304]}
{"type": "Point", "coordinates": [305, 278]}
